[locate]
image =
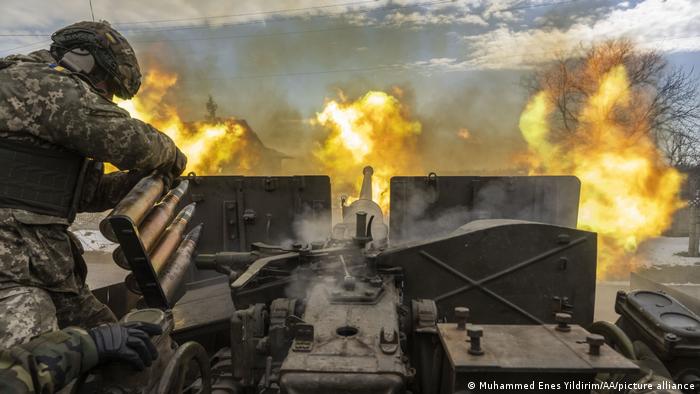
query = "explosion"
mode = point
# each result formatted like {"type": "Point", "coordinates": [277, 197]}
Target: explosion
{"type": "Point", "coordinates": [628, 191]}
{"type": "Point", "coordinates": [211, 146]}
{"type": "Point", "coordinates": [374, 130]}
{"type": "Point", "coordinates": [464, 133]}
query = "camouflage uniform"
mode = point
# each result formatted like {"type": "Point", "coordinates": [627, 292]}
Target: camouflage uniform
{"type": "Point", "coordinates": [47, 363]}
{"type": "Point", "coordinates": [42, 275]}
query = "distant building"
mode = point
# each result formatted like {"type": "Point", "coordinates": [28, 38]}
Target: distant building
{"type": "Point", "coordinates": [246, 154]}
{"type": "Point", "coordinates": [269, 161]}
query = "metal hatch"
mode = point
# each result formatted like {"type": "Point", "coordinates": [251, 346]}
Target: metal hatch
{"type": "Point", "coordinates": [240, 210]}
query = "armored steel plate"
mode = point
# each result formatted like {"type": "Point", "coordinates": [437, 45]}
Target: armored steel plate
{"type": "Point", "coordinates": [207, 302]}
{"type": "Point", "coordinates": [237, 210]}
{"type": "Point", "coordinates": [527, 348]}
{"type": "Point", "coordinates": [437, 205]}
{"type": "Point", "coordinates": [203, 314]}
{"type": "Point", "coordinates": [505, 271]}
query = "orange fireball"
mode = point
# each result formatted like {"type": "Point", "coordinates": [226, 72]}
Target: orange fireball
{"type": "Point", "coordinates": [628, 191]}
{"type": "Point", "coordinates": [212, 147]}
{"type": "Point", "coordinates": [374, 130]}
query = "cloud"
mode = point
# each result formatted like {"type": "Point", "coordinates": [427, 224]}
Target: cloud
{"type": "Point", "coordinates": [668, 26]}
{"type": "Point", "coordinates": [495, 34]}
{"type": "Point", "coordinates": [23, 17]}
{"type": "Point", "coordinates": [182, 17]}
{"type": "Point", "coordinates": [422, 14]}
{"type": "Point", "coordinates": [441, 64]}
{"type": "Point", "coordinates": [417, 18]}
{"type": "Point", "coordinates": [654, 24]}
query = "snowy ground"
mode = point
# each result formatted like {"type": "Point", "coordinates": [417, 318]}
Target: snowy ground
{"type": "Point", "coordinates": [98, 255]}
{"type": "Point", "coordinates": [666, 263]}
{"type": "Point", "coordinates": [665, 251]}
{"type": "Point", "coordinates": [93, 241]}
{"type": "Point", "coordinates": [662, 262]}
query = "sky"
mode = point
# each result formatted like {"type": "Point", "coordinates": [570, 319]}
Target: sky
{"type": "Point", "coordinates": [457, 63]}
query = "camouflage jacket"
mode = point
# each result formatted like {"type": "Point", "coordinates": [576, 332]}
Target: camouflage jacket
{"type": "Point", "coordinates": [42, 104]}
{"type": "Point", "coordinates": [47, 363]}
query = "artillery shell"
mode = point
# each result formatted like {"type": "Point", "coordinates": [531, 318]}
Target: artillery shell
{"type": "Point", "coordinates": [136, 204]}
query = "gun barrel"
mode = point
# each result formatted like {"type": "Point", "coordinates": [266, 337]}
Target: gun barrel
{"type": "Point", "coordinates": [155, 222]}
{"type": "Point", "coordinates": [171, 238]}
{"type": "Point", "coordinates": [232, 260]}
{"type": "Point", "coordinates": [172, 275]}
{"type": "Point", "coordinates": [366, 190]}
{"type": "Point", "coordinates": [153, 225]}
{"type": "Point", "coordinates": [136, 204]}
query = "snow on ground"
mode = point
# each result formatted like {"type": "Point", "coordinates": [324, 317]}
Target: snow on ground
{"type": "Point", "coordinates": [86, 228]}
{"type": "Point", "coordinates": [664, 251]}
{"type": "Point", "coordinates": [94, 241]}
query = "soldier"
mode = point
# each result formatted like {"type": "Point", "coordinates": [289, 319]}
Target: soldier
{"type": "Point", "coordinates": [49, 362]}
{"type": "Point", "coordinates": [57, 125]}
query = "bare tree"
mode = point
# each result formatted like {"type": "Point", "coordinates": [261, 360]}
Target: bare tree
{"type": "Point", "coordinates": [664, 101]}
{"type": "Point", "coordinates": [675, 121]}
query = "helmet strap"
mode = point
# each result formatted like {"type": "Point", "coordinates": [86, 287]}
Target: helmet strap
{"type": "Point", "coordinates": [103, 89]}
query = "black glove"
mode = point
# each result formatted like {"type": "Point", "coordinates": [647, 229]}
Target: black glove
{"type": "Point", "coordinates": [128, 342]}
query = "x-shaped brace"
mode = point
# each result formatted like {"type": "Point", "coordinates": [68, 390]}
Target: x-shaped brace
{"type": "Point", "coordinates": [481, 282]}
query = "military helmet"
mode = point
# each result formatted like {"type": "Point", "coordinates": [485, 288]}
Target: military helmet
{"type": "Point", "coordinates": [110, 50]}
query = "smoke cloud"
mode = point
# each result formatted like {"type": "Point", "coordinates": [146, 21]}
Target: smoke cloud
{"type": "Point", "coordinates": [253, 79]}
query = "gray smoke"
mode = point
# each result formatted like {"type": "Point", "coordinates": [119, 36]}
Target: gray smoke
{"type": "Point", "coordinates": [311, 226]}
{"type": "Point", "coordinates": [423, 216]}
{"type": "Point", "coordinates": [253, 78]}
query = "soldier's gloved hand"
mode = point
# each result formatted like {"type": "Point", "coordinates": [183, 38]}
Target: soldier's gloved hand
{"type": "Point", "coordinates": [179, 164]}
{"type": "Point", "coordinates": [174, 169]}
{"type": "Point", "coordinates": [128, 342]}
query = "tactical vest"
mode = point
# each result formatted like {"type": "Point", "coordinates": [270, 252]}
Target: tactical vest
{"type": "Point", "coordinates": [41, 180]}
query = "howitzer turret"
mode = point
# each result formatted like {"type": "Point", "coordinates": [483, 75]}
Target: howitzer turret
{"type": "Point", "coordinates": [355, 316]}
{"type": "Point", "coordinates": [496, 300]}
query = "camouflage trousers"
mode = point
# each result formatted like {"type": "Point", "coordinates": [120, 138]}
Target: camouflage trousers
{"type": "Point", "coordinates": [26, 312]}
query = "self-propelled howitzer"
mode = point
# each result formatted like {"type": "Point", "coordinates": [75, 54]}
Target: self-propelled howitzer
{"type": "Point", "coordinates": [506, 298]}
